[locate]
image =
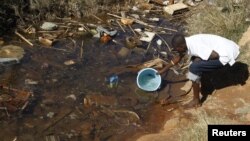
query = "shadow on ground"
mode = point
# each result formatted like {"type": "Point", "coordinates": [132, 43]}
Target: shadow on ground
{"type": "Point", "coordinates": [224, 77]}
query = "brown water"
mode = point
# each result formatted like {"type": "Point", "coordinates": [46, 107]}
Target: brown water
{"type": "Point", "coordinates": [121, 113]}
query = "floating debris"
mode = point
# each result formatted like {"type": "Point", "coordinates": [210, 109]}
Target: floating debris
{"type": "Point", "coordinates": [11, 53]}
{"type": "Point", "coordinates": [45, 41]}
{"type": "Point", "coordinates": [175, 9]}
{"type": "Point", "coordinates": [112, 81]}
{"type": "Point", "coordinates": [49, 26]}
{"type": "Point", "coordinates": [149, 38]}
{"type": "Point", "coordinates": [30, 82]}
{"type": "Point", "coordinates": [13, 100]}
{"type": "Point", "coordinates": [69, 62]}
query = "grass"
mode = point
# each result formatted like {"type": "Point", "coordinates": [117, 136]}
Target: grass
{"type": "Point", "coordinates": [226, 18]}
{"type": "Point", "coordinates": [198, 129]}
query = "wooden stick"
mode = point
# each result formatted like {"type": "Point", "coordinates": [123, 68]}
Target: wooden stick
{"type": "Point", "coordinates": [114, 15]}
{"type": "Point", "coordinates": [132, 29]}
{"type": "Point", "coordinates": [26, 40]}
{"type": "Point", "coordinates": [120, 26]}
{"type": "Point", "coordinates": [58, 120]}
{"type": "Point", "coordinates": [81, 50]}
{"type": "Point", "coordinates": [51, 31]}
{"type": "Point", "coordinates": [148, 46]}
{"type": "Point", "coordinates": [97, 18]}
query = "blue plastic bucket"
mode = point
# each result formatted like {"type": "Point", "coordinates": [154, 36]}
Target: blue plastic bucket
{"type": "Point", "coordinates": [148, 80]}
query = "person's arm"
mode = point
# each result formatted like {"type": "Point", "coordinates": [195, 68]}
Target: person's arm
{"type": "Point", "coordinates": [214, 55]}
{"type": "Point", "coordinates": [173, 62]}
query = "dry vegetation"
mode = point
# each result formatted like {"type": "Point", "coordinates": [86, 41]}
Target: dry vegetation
{"type": "Point", "coordinates": [198, 130]}
{"type": "Point", "coordinates": [225, 18]}
{"type": "Point", "coordinates": [37, 10]}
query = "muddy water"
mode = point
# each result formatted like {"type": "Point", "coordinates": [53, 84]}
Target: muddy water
{"type": "Point", "coordinates": [57, 108]}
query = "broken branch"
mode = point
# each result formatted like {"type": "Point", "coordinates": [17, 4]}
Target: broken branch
{"type": "Point", "coordinates": [22, 37]}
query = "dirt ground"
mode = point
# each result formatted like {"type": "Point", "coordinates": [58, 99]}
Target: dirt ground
{"type": "Point", "coordinates": [226, 105]}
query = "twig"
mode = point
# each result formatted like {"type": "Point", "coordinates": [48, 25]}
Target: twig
{"type": "Point", "coordinates": [148, 46]}
{"type": "Point", "coordinates": [81, 50]}
{"type": "Point", "coordinates": [97, 18]}
{"type": "Point", "coordinates": [132, 30]}
{"type": "Point", "coordinates": [120, 26]}
{"type": "Point", "coordinates": [114, 15]}
{"type": "Point", "coordinates": [185, 67]}
{"type": "Point", "coordinates": [64, 50]}
{"type": "Point", "coordinates": [51, 31]}
{"type": "Point", "coordinates": [21, 36]}
{"type": "Point", "coordinates": [54, 123]}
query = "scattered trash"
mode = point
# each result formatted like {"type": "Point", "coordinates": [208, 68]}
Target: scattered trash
{"type": "Point", "coordinates": [101, 30]}
{"type": "Point", "coordinates": [149, 38]}
{"type": "Point", "coordinates": [136, 16]}
{"type": "Point", "coordinates": [11, 53]}
{"type": "Point", "coordinates": [30, 82]}
{"type": "Point", "coordinates": [52, 138]}
{"type": "Point", "coordinates": [154, 19]}
{"type": "Point", "coordinates": [45, 41]}
{"type": "Point", "coordinates": [72, 96]}
{"type": "Point", "coordinates": [175, 9]}
{"type": "Point", "coordinates": [49, 26]}
{"type": "Point", "coordinates": [69, 62]}
{"type": "Point", "coordinates": [13, 100]}
{"type": "Point", "coordinates": [50, 114]}
{"type": "Point", "coordinates": [159, 42]}
{"type": "Point", "coordinates": [127, 21]}
{"type": "Point", "coordinates": [105, 38]}
{"type": "Point", "coordinates": [81, 29]}
{"type": "Point", "coordinates": [191, 3]}
{"type": "Point", "coordinates": [112, 81]}
{"type": "Point", "coordinates": [134, 8]}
